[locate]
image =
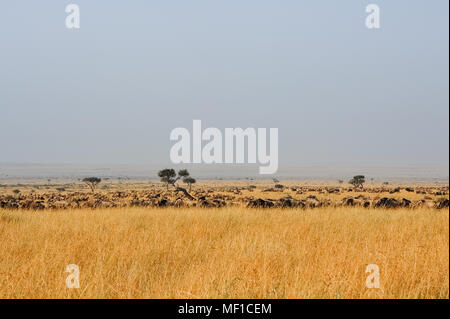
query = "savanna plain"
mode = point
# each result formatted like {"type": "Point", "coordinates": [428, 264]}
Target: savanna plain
{"type": "Point", "coordinates": [242, 239]}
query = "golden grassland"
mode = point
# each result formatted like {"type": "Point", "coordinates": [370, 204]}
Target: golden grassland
{"type": "Point", "coordinates": [230, 252]}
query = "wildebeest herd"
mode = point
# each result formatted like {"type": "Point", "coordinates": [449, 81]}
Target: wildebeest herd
{"type": "Point", "coordinates": [242, 196]}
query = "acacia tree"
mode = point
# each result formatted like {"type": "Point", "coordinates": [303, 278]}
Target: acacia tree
{"type": "Point", "coordinates": [168, 176]}
{"type": "Point", "coordinates": [357, 181]}
{"type": "Point", "coordinates": [185, 176]}
{"type": "Point", "coordinates": [183, 173]}
{"type": "Point", "coordinates": [92, 182]}
{"type": "Point", "coordinates": [189, 180]}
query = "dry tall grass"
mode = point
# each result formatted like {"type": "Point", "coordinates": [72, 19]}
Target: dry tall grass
{"type": "Point", "coordinates": [225, 253]}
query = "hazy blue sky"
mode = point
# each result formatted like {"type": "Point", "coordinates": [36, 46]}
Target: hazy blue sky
{"type": "Point", "coordinates": [112, 91]}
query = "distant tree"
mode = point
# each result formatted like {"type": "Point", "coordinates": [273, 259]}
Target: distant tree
{"type": "Point", "coordinates": [92, 182]}
{"type": "Point", "coordinates": [276, 181]}
{"type": "Point", "coordinates": [357, 181]}
{"type": "Point", "coordinates": [183, 173]}
{"type": "Point", "coordinates": [168, 176]}
{"type": "Point", "coordinates": [340, 181]}
{"type": "Point", "coordinates": [16, 191]}
{"type": "Point", "coordinates": [189, 180]}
